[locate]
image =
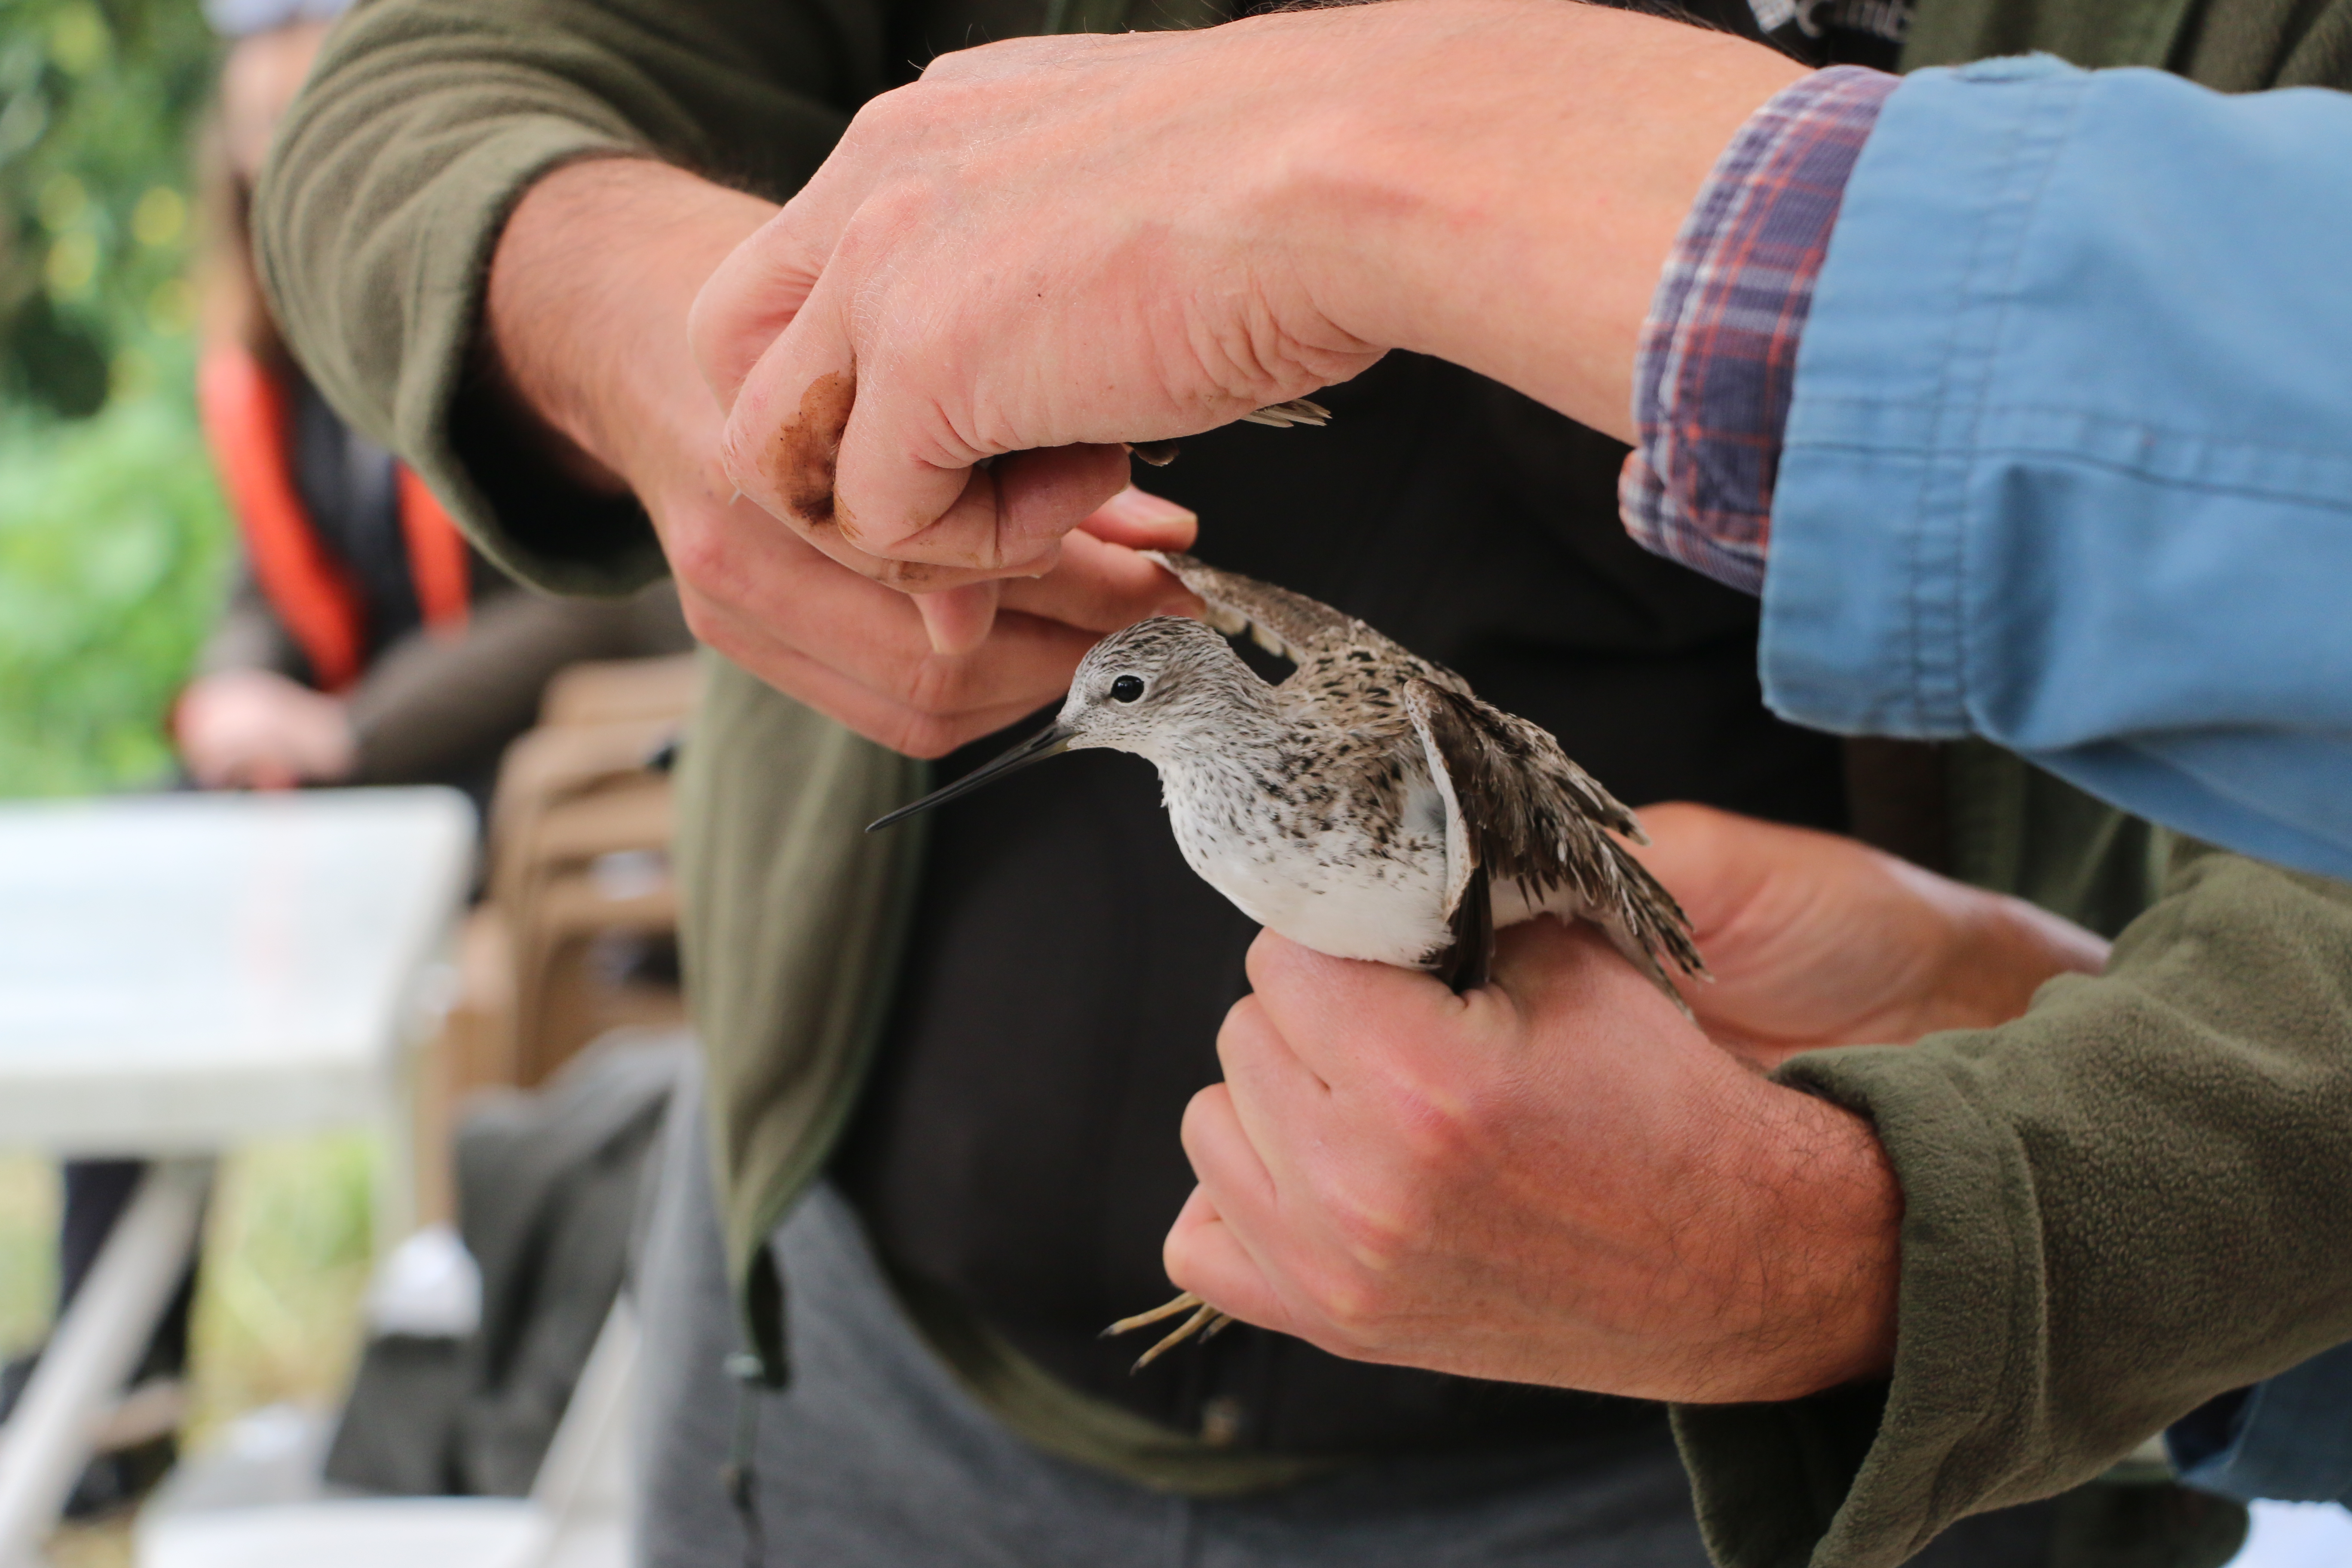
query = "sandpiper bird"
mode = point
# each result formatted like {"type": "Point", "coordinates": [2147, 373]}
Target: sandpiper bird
{"type": "Point", "coordinates": [1369, 806]}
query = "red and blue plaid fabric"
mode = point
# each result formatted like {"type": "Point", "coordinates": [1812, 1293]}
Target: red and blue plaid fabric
{"type": "Point", "coordinates": [1718, 356]}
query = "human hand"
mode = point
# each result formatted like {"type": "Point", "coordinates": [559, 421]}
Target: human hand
{"type": "Point", "coordinates": [1553, 1179]}
{"type": "Point", "coordinates": [255, 729]}
{"type": "Point", "coordinates": [589, 292]}
{"type": "Point", "coordinates": [1048, 247]}
{"type": "Point", "coordinates": [1815, 940]}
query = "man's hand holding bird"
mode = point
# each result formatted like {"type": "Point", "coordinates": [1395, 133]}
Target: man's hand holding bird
{"type": "Point", "coordinates": [1560, 1178]}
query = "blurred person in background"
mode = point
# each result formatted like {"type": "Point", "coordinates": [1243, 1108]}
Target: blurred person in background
{"type": "Point", "coordinates": [364, 641]}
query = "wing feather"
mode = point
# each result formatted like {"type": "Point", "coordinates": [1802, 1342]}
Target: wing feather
{"type": "Point", "coordinates": [1524, 813]}
{"type": "Point", "coordinates": [1287, 625]}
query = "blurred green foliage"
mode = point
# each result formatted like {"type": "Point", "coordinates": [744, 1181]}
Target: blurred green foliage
{"type": "Point", "coordinates": [112, 534]}
{"type": "Point", "coordinates": [110, 550]}
{"type": "Point", "coordinates": [95, 103]}
{"type": "Point", "coordinates": [28, 1232]}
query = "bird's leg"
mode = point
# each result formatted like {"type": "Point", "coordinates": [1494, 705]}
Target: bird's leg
{"type": "Point", "coordinates": [1183, 1303]}
{"type": "Point", "coordinates": [1204, 1321]}
{"type": "Point", "coordinates": [1298, 411]}
{"type": "Point", "coordinates": [1281, 416]}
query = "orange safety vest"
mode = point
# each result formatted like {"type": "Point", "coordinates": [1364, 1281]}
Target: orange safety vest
{"type": "Point", "coordinates": [246, 424]}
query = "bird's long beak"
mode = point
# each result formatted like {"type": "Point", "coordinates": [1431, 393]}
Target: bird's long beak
{"type": "Point", "coordinates": [1050, 742]}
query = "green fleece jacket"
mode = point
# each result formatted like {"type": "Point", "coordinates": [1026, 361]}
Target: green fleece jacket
{"type": "Point", "coordinates": [2117, 1208]}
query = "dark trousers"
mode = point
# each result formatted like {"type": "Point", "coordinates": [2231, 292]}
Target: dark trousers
{"type": "Point", "coordinates": [96, 1194]}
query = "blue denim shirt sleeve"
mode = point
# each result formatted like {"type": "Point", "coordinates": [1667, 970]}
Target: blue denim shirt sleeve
{"type": "Point", "coordinates": [2069, 461]}
{"type": "Point", "coordinates": [2288, 1437]}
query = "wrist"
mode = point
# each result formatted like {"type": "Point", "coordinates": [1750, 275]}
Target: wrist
{"type": "Point", "coordinates": [1518, 217]}
{"type": "Point", "coordinates": [1816, 1252]}
{"type": "Point", "coordinates": [586, 309]}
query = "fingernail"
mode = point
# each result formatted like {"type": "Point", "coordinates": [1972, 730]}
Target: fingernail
{"type": "Point", "coordinates": [1141, 507]}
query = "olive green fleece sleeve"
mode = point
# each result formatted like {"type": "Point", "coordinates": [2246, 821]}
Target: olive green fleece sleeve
{"type": "Point", "coordinates": [423, 123]}
{"type": "Point", "coordinates": [2124, 1202]}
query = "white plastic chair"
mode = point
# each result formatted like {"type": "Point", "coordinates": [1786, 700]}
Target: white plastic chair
{"type": "Point", "coordinates": [577, 1516]}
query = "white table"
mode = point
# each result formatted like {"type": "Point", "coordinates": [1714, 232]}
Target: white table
{"type": "Point", "coordinates": [179, 973]}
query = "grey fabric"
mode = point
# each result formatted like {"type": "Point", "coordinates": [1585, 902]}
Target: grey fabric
{"type": "Point", "coordinates": [876, 1458]}
{"type": "Point", "coordinates": [549, 1189]}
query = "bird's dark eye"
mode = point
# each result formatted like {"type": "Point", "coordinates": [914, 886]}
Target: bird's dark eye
{"type": "Point", "coordinates": [1127, 689]}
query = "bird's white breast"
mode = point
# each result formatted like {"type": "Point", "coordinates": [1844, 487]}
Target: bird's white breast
{"type": "Point", "coordinates": [1327, 888]}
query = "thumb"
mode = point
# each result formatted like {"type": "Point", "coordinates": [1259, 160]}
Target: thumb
{"type": "Point", "coordinates": [748, 302]}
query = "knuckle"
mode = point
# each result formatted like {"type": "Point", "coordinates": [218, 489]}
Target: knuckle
{"type": "Point", "coordinates": [937, 687]}
{"type": "Point", "coordinates": [700, 557]}
{"type": "Point", "coordinates": [907, 576]}
{"type": "Point", "coordinates": [1352, 1304]}
{"type": "Point", "coordinates": [704, 623]}
{"type": "Point", "coordinates": [1244, 1025]}
{"type": "Point", "coordinates": [1375, 1220]}
{"type": "Point", "coordinates": [741, 454]}
{"type": "Point", "coordinates": [1436, 1126]}
{"type": "Point", "coordinates": [1198, 1112]}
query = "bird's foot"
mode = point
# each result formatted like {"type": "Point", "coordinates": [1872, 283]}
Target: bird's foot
{"type": "Point", "coordinates": [1205, 1321]}
{"type": "Point", "coordinates": [1281, 416]}
{"type": "Point", "coordinates": [1298, 411]}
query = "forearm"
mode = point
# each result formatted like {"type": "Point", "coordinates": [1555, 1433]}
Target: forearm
{"type": "Point", "coordinates": [2097, 531]}
{"type": "Point", "coordinates": [1812, 1226]}
{"type": "Point", "coordinates": [436, 709]}
{"type": "Point", "coordinates": [1935, 441]}
{"type": "Point", "coordinates": [586, 315]}
{"type": "Point", "coordinates": [1516, 219]}
{"type": "Point", "coordinates": [2116, 1208]}
{"type": "Point", "coordinates": [425, 122]}
{"type": "Point", "coordinates": [249, 635]}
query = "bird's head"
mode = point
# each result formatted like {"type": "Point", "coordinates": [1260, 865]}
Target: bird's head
{"type": "Point", "coordinates": [1157, 688]}
{"type": "Point", "coordinates": [1158, 685]}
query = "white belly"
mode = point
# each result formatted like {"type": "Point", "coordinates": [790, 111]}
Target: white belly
{"type": "Point", "coordinates": [1324, 890]}
{"type": "Point", "coordinates": [1324, 893]}
{"type": "Point", "coordinates": [1389, 911]}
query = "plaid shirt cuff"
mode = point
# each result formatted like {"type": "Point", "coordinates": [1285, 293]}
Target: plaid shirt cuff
{"type": "Point", "coordinates": [1718, 356]}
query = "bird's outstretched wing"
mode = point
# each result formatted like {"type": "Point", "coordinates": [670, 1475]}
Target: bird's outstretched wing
{"type": "Point", "coordinates": [1535, 819]}
{"type": "Point", "coordinates": [1287, 625]}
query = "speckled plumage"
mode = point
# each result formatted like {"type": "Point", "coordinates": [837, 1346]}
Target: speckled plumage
{"type": "Point", "coordinates": [1360, 805]}
{"type": "Point", "coordinates": [1369, 806]}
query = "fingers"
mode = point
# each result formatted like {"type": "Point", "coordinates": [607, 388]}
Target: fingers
{"type": "Point", "coordinates": [902, 727]}
{"type": "Point", "coordinates": [1141, 520]}
{"type": "Point", "coordinates": [869, 656]}
{"type": "Point", "coordinates": [1236, 1199]}
{"type": "Point", "coordinates": [753, 297]}
{"type": "Point", "coordinates": [1278, 1099]}
{"type": "Point", "coordinates": [876, 637]}
{"type": "Point", "coordinates": [890, 687]}
{"type": "Point", "coordinates": [958, 620]}
{"type": "Point", "coordinates": [885, 484]}
{"type": "Point", "coordinates": [1003, 516]}
{"type": "Point", "coordinates": [789, 420]}
{"type": "Point", "coordinates": [1205, 1256]}
{"type": "Point", "coordinates": [1100, 587]}
{"type": "Point", "coordinates": [1330, 1010]}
